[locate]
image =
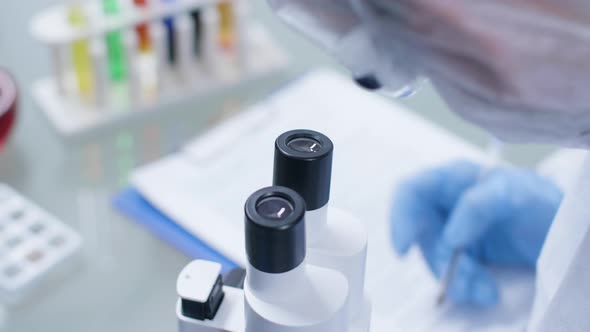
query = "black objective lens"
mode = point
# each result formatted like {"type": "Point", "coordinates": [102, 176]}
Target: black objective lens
{"type": "Point", "coordinates": [275, 230]}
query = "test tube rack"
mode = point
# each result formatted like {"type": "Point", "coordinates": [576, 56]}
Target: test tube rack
{"type": "Point", "coordinates": [154, 83]}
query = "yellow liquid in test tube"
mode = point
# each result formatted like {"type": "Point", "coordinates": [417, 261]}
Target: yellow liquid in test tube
{"type": "Point", "coordinates": [81, 54]}
{"type": "Point", "coordinates": [227, 24]}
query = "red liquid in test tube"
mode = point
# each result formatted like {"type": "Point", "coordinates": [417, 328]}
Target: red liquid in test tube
{"type": "Point", "coordinates": [143, 30]}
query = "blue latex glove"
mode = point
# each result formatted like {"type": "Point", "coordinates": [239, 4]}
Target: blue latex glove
{"type": "Point", "coordinates": [499, 217]}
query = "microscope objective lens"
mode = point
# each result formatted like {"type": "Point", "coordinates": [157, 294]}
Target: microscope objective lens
{"type": "Point", "coordinates": [276, 208]}
{"type": "Point", "coordinates": [305, 145]}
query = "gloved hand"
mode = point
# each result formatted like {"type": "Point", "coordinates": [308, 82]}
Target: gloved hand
{"type": "Point", "coordinates": [498, 217]}
{"type": "Point", "coordinates": [519, 69]}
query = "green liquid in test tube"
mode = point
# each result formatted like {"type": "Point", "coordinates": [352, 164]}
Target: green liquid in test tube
{"type": "Point", "coordinates": [115, 48]}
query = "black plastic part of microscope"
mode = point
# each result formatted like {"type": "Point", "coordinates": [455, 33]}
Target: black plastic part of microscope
{"type": "Point", "coordinates": [207, 310]}
{"type": "Point", "coordinates": [235, 278]}
{"type": "Point", "coordinates": [308, 172]}
{"type": "Point", "coordinates": [369, 82]}
{"type": "Point", "coordinates": [275, 230]}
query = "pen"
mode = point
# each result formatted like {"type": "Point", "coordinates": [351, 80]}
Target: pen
{"type": "Point", "coordinates": [494, 154]}
{"type": "Point", "coordinates": [448, 277]}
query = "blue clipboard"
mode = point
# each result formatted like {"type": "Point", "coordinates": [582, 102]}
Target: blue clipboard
{"type": "Point", "coordinates": [131, 204]}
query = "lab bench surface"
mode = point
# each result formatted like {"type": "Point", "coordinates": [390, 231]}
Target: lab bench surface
{"type": "Point", "coordinates": [125, 279]}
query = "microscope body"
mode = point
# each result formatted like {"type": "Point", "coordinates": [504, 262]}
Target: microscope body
{"type": "Point", "coordinates": [310, 299]}
{"type": "Point", "coordinates": [339, 241]}
{"type": "Point", "coordinates": [326, 290]}
{"type": "Point", "coordinates": [281, 293]}
{"type": "Point", "coordinates": [306, 261]}
{"type": "Point", "coordinates": [335, 239]}
{"type": "Point", "coordinates": [307, 299]}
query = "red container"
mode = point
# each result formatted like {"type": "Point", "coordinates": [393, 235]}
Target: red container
{"type": "Point", "coordinates": [8, 105]}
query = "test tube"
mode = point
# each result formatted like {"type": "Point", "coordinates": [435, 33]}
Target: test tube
{"type": "Point", "coordinates": [227, 24]}
{"type": "Point", "coordinates": [100, 67]}
{"type": "Point", "coordinates": [81, 53]}
{"type": "Point", "coordinates": [143, 30]}
{"type": "Point", "coordinates": [169, 23]}
{"type": "Point", "coordinates": [184, 30]}
{"type": "Point", "coordinates": [197, 30]}
{"type": "Point", "coordinates": [134, 84]}
{"type": "Point", "coordinates": [161, 55]}
{"type": "Point", "coordinates": [59, 71]}
{"type": "Point", "coordinates": [210, 42]}
{"type": "Point", "coordinates": [115, 49]}
{"type": "Point", "coordinates": [242, 35]}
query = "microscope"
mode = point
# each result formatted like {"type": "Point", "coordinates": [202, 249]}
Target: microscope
{"type": "Point", "coordinates": [306, 260]}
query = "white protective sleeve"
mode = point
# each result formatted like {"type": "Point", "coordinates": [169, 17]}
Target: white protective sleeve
{"type": "Point", "coordinates": [519, 68]}
{"type": "Point", "coordinates": [563, 290]}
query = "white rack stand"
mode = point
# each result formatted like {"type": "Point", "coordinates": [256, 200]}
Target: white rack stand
{"type": "Point", "coordinates": [260, 58]}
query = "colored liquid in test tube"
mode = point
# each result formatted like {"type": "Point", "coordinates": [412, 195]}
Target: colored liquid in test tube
{"type": "Point", "coordinates": [81, 53]}
{"type": "Point", "coordinates": [143, 30]}
{"type": "Point", "coordinates": [170, 34]}
{"type": "Point", "coordinates": [115, 48]}
{"type": "Point", "coordinates": [227, 24]}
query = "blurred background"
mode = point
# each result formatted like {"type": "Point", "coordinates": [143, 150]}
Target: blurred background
{"type": "Point", "coordinates": [127, 281]}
